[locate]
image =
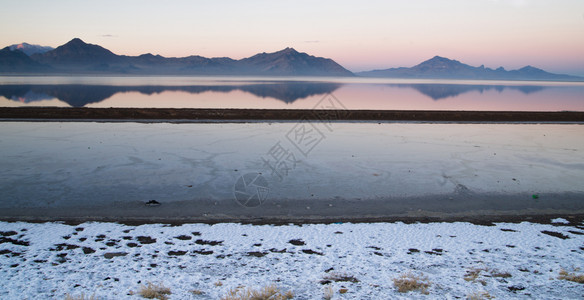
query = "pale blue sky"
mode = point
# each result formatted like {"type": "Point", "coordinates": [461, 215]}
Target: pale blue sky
{"type": "Point", "coordinates": [358, 34]}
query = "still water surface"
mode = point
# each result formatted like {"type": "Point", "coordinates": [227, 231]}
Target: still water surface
{"type": "Point", "coordinates": [290, 93]}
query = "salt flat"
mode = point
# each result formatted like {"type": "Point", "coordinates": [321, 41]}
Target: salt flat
{"type": "Point", "coordinates": [111, 261]}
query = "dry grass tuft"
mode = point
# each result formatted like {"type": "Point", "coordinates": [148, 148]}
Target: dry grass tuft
{"type": "Point", "coordinates": [571, 276]}
{"type": "Point", "coordinates": [328, 292]}
{"type": "Point", "coordinates": [410, 282]}
{"type": "Point", "coordinates": [80, 297]}
{"type": "Point", "coordinates": [270, 292]}
{"type": "Point", "coordinates": [474, 273]}
{"type": "Point", "coordinates": [196, 292]}
{"type": "Point", "coordinates": [154, 291]}
{"type": "Point", "coordinates": [479, 296]}
{"type": "Point", "coordinates": [218, 283]}
{"type": "Point", "coordinates": [496, 273]}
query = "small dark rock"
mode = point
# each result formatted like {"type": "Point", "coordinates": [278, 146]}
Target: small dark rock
{"type": "Point", "coordinates": [88, 250]}
{"type": "Point", "coordinates": [177, 253]}
{"type": "Point", "coordinates": [210, 243]}
{"type": "Point", "coordinates": [13, 241]}
{"type": "Point", "coordinates": [257, 253]}
{"type": "Point", "coordinates": [146, 240]}
{"type": "Point", "coordinates": [64, 247]}
{"type": "Point", "coordinates": [413, 250]}
{"type": "Point", "coordinates": [183, 237]}
{"type": "Point", "coordinates": [297, 242]}
{"type": "Point", "coordinates": [556, 234]}
{"type": "Point", "coordinates": [310, 251]}
{"type": "Point", "coordinates": [111, 255]}
{"type": "Point", "coordinates": [152, 203]}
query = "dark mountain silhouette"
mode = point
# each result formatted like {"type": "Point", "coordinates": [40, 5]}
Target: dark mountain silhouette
{"type": "Point", "coordinates": [444, 68]}
{"type": "Point", "coordinates": [443, 91]}
{"type": "Point", "coordinates": [18, 62]}
{"type": "Point", "coordinates": [292, 62]}
{"type": "Point", "coordinates": [77, 56]}
{"type": "Point", "coordinates": [81, 95]}
{"type": "Point", "coordinates": [29, 49]}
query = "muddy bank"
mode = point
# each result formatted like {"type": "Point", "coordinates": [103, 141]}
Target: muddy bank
{"type": "Point", "coordinates": [186, 114]}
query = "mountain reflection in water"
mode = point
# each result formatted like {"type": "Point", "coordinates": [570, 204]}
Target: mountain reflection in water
{"type": "Point", "coordinates": [81, 95]}
{"type": "Point", "coordinates": [443, 91]}
{"type": "Point", "coordinates": [286, 94]}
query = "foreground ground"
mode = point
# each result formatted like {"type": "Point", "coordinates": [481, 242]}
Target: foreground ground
{"type": "Point", "coordinates": [345, 261]}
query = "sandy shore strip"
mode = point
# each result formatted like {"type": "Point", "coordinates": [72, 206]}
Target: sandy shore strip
{"type": "Point", "coordinates": [326, 115]}
{"type": "Point", "coordinates": [341, 261]}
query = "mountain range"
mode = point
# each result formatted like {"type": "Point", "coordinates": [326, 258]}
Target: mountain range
{"type": "Point", "coordinates": [29, 49]}
{"type": "Point", "coordinates": [78, 57]}
{"type": "Point", "coordinates": [444, 68]}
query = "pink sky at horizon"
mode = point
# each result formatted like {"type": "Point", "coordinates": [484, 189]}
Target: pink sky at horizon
{"type": "Point", "coordinates": [378, 35]}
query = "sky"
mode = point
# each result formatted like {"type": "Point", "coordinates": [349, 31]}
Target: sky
{"type": "Point", "coordinates": [360, 35]}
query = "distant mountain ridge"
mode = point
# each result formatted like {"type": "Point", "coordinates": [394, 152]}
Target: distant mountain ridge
{"type": "Point", "coordinates": [77, 56]}
{"type": "Point", "coordinates": [443, 68]}
{"type": "Point", "coordinates": [29, 49]}
{"type": "Point", "coordinates": [16, 61]}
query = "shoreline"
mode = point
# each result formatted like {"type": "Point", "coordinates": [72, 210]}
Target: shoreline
{"type": "Point", "coordinates": [186, 115]}
{"type": "Point", "coordinates": [482, 220]}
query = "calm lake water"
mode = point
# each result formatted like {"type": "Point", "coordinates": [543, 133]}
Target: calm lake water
{"type": "Point", "coordinates": [195, 170]}
{"type": "Point", "coordinates": [290, 93]}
